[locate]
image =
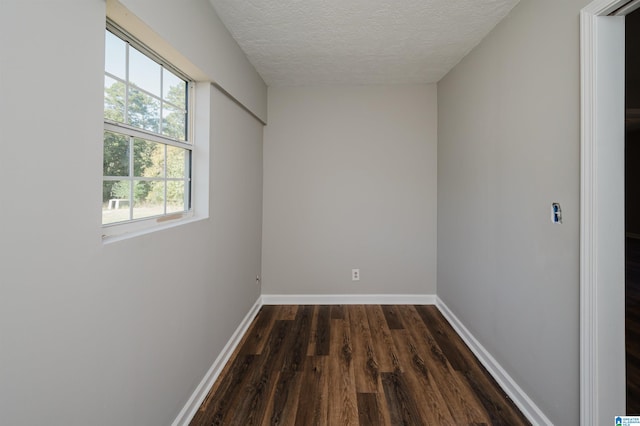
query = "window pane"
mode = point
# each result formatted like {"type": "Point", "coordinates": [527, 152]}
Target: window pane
{"type": "Point", "coordinates": [148, 158]}
{"type": "Point", "coordinates": [173, 122]}
{"type": "Point", "coordinates": [144, 111]}
{"type": "Point", "coordinates": [115, 58]}
{"type": "Point", "coordinates": [174, 89]}
{"type": "Point", "coordinates": [176, 165]}
{"type": "Point", "coordinates": [115, 201]}
{"type": "Point", "coordinates": [143, 178]}
{"type": "Point", "coordinates": [144, 73]}
{"type": "Point", "coordinates": [175, 197]}
{"type": "Point", "coordinates": [155, 196]}
{"type": "Point", "coordinates": [115, 159]}
{"type": "Point", "coordinates": [148, 199]}
{"type": "Point", "coordinates": [113, 99]}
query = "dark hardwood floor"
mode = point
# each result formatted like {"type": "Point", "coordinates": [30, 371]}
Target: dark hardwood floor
{"type": "Point", "coordinates": [354, 364]}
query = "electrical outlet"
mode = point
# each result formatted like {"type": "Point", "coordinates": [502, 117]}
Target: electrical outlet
{"type": "Point", "coordinates": [355, 275]}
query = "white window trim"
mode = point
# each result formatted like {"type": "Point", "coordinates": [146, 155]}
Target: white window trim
{"type": "Point", "coordinates": [199, 178]}
{"type": "Point", "coordinates": [199, 107]}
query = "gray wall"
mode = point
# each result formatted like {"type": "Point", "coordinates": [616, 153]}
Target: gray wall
{"type": "Point", "coordinates": [194, 29]}
{"type": "Point", "coordinates": [350, 182]}
{"type": "Point", "coordinates": [508, 146]}
{"type": "Point", "coordinates": [117, 334]}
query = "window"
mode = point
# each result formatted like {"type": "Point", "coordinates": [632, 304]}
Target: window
{"type": "Point", "coordinates": [147, 151]}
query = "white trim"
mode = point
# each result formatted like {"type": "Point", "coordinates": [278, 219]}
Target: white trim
{"type": "Point", "coordinates": [193, 403]}
{"type": "Point", "coordinates": [598, 386]}
{"type": "Point", "coordinates": [201, 96]}
{"type": "Point", "coordinates": [348, 299]}
{"type": "Point", "coordinates": [155, 224]}
{"type": "Point", "coordinates": [603, 7]}
{"type": "Point", "coordinates": [511, 388]}
{"type": "Point", "coordinates": [588, 246]}
{"type": "Point", "coordinates": [128, 130]}
{"type": "Point", "coordinates": [628, 8]}
{"type": "Point", "coordinates": [528, 408]}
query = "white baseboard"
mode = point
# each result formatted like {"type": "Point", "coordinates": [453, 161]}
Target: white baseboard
{"type": "Point", "coordinates": [198, 396]}
{"type": "Point", "coordinates": [511, 388]}
{"type": "Point", "coordinates": [519, 397]}
{"type": "Point", "coordinates": [348, 299]}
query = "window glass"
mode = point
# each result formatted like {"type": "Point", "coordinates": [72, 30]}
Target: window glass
{"type": "Point", "coordinates": [146, 158]}
{"type": "Point", "coordinates": [174, 122]}
{"type": "Point", "coordinates": [174, 89]}
{"type": "Point", "coordinates": [114, 99]}
{"type": "Point", "coordinates": [144, 73]}
{"type": "Point", "coordinates": [115, 198]}
{"type": "Point", "coordinates": [115, 158]}
{"type": "Point", "coordinates": [143, 111]}
{"type": "Point", "coordinates": [175, 196]}
{"type": "Point", "coordinates": [148, 199]}
{"type": "Point", "coordinates": [115, 56]}
{"type": "Point", "coordinates": [176, 162]}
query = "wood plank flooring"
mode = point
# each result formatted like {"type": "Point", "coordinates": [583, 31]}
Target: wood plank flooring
{"type": "Point", "coordinates": [354, 365]}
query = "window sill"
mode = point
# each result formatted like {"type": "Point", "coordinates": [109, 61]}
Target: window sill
{"type": "Point", "coordinates": [152, 226]}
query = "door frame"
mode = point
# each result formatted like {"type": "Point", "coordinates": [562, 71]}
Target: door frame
{"type": "Point", "coordinates": [602, 350]}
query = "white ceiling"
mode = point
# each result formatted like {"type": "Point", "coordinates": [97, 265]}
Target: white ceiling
{"type": "Point", "coordinates": [327, 42]}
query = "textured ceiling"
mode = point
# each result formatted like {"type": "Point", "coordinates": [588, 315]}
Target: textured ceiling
{"type": "Point", "coordinates": [326, 42]}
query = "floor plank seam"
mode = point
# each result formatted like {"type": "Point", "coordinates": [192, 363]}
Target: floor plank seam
{"type": "Point", "coordinates": [355, 364]}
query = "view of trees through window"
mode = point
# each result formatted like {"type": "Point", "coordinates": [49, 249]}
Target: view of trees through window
{"type": "Point", "coordinates": [146, 157]}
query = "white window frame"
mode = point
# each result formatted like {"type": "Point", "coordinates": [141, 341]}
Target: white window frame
{"type": "Point", "coordinates": [132, 227]}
